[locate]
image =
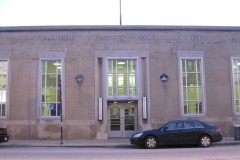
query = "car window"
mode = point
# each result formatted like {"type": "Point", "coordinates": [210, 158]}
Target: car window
{"type": "Point", "coordinates": [197, 124]}
{"type": "Point", "coordinates": [192, 124]}
{"type": "Point", "coordinates": [174, 126]}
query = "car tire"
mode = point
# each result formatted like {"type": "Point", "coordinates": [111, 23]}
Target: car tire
{"type": "Point", "coordinates": [151, 142]}
{"type": "Point", "coordinates": [205, 141]}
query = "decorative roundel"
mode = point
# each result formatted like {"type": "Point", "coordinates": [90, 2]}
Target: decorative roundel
{"type": "Point", "coordinates": [79, 78]}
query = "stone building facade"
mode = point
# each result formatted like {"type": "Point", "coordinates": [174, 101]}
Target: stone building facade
{"type": "Point", "coordinates": [113, 81]}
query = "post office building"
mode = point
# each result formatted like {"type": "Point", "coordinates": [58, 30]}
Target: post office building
{"type": "Point", "coordinates": [99, 82]}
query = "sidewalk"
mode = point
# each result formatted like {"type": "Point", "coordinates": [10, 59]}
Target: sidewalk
{"type": "Point", "coordinates": [111, 143]}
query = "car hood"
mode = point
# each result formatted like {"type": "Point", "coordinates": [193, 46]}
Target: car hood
{"type": "Point", "coordinates": [150, 131]}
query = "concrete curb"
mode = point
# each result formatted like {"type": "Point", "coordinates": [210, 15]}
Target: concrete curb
{"type": "Point", "coordinates": [115, 143]}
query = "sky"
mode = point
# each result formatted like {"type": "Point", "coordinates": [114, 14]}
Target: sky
{"type": "Point", "coordinates": [107, 12]}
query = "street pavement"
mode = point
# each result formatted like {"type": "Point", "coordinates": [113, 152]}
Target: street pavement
{"type": "Point", "coordinates": [110, 143]}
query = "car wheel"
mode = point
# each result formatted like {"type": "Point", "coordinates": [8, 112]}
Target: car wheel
{"type": "Point", "coordinates": [205, 141]}
{"type": "Point", "coordinates": [151, 142]}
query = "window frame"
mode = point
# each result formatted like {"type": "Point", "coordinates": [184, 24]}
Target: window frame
{"type": "Point", "coordinates": [7, 88]}
{"type": "Point", "coordinates": [234, 99]}
{"type": "Point", "coordinates": [122, 97]}
{"type": "Point", "coordinates": [181, 90]}
{"type": "Point", "coordinates": [40, 87]}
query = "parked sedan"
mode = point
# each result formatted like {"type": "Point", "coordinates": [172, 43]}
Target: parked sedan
{"type": "Point", "coordinates": [3, 135]}
{"type": "Point", "coordinates": [179, 132]}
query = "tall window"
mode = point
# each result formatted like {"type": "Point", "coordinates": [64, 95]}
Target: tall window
{"type": "Point", "coordinates": [192, 86]}
{"type": "Point", "coordinates": [51, 101]}
{"type": "Point", "coordinates": [122, 77]}
{"type": "Point", "coordinates": [3, 87]}
{"type": "Point", "coordinates": [236, 83]}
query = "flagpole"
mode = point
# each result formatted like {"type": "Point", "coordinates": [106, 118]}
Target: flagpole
{"type": "Point", "coordinates": [120, 13]}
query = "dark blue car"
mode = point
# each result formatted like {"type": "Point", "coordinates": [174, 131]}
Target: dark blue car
{"type": "Point", "coordinates": [179, 132]}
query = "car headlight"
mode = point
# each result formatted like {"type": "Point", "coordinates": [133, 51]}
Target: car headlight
{"type": "Point", "coordinates": [137, 135]}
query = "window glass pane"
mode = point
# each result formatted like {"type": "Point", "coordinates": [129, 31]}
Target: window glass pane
{"type": "Point", "coordinates": [191, 79]}
{"type": "Point", "coordinates": [185, 93]}
{"type": "Point", "coordinates": [3, 109]}
{"type": "Point", "coordinates": [3, 80]}
{"type": "Point", "coordinates": [110, 80]}
{"type": "Point", "coordinates": [43, 80]}
{"type": "Point", "coordinates": [129, 127]}
{"type": "Point", "coordinates": [192, 93]}
{"type": "Point", "coordinates": [51, 81]}
{"type": "Point", "coordinates": [52, 66]}
{"type": "Point", "coordinates": [200, 109]}
{"type": "Point", "coordinates": [110, 66]}
{"type": "Point", "coordinates": [59, 99]}
{"type": "Point", "coordinates": [199, 94]}
{"type": "Point", "coordinates": [45, 110]}
{"type": "Point", "coordinates": [110, 91]}
{"type": "Point", "coordinates": [236, 79]}
{"type": "Point", "coordinates": [237, 66]}
{"type": "Point", "coordinates": [185, 107]}
{"type": "Point", "coordinates": [122, 66]}
{"type": "Point", "coordinates": [44, 66]}
{"type": "Point", "coordinates": [191, 65]}
{"type": "Point", "coordinates": [183, 66]}
{"type": "Point", "coordinates": [132, 80]}
{"type": "Point", "coordinates": [192, 108]}
{"type": "Point", "coordinates": [48, 95]}
{"type": "Point", "coordinates": [122, 91]}
{"type": "Point", "coordinates": [198, 66]}
{"type": "Point", "coordinates": [114, 79]}
{"type": "Point", "coordinates": [59, 109]}
{"type": "Point", "coordinates": [132, 91]}
{"type": "Point", "coordinates": [199, 82]}
{"type": "Point", "coordinates": [115, 127]}
{"type": "Point", "coordinates": [237, 106]}
{"type": "Point", "coordinates": [59, 80]}
{"type": "Point", "coordinates": [3, 96]}
{"type": "Point", "coordinates": [184, 79]}
{"type": "Point", "coordinates": [122, 80]}
{"type": "Point", "coordinates": [114, 66]}
{"type": "Point", "coordinates": [132, 66]}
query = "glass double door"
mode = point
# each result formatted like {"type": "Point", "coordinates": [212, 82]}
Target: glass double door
{"type": "Point", "coordinates": [122, 119]}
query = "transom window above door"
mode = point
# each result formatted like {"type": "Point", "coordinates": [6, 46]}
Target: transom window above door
{"type": "Point", "coordinates": [122, 77]}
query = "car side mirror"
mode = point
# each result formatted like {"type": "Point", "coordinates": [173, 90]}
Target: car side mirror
{"type": "Point", "coordinates": [165, 129]}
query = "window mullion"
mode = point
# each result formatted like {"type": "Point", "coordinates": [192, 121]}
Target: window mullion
{"type": "Point", "coordinates": [56, 88]}
{"type": "Point", "coordinates": [186, 87]}
{"type": "Point", "coordinates": [45, 87]}
{"type": "Point", "coordinates": [197, 86]}
{"type": "Point", "coordinates": [238, 85]}
{"type": "Point", "coordinates": [127, 76]}
{"type": "Point", "coordinates": [116, 78]}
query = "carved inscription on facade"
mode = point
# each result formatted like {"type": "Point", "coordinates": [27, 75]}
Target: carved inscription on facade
{"type": "Point", "coordinates": [59, 37]}
{"type": "Point", "coordinates": [113, 37]}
